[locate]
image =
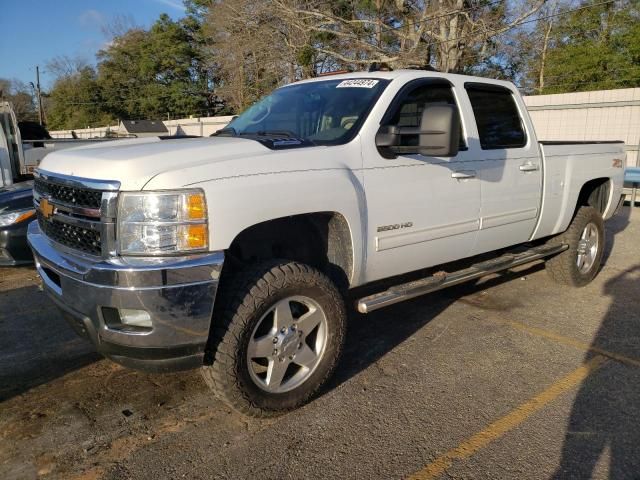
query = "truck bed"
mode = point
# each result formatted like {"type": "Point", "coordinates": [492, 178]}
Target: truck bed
{"type": "Point", "coordinates": [568, 166]}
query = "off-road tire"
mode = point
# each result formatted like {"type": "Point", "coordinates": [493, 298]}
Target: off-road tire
{"type": "Point", "coordinates": [563, 267]}
{"type": "Point", "coordinates": [248, 296]}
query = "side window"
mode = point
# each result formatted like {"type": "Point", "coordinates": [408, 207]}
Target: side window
{"type": "Point", "coordinates": [409, 113]}
{"type": "Point", "coordinates": [497, 117]}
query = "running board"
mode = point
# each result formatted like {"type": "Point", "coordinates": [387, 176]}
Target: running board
{"type": "Point", "coordinates": [440, 280]}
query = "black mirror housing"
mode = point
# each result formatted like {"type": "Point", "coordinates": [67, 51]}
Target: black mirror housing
{"type": "Point", "coordinates": [388, 136]}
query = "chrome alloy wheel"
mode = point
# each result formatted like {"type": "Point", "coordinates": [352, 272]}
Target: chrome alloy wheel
{"type": "Point", "coordinates": [287, 344]}
{"type": "Point", "coordinates": [588, 248]}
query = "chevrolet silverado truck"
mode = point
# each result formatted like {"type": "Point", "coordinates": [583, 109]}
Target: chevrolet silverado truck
{"type": "Point", "coordinates": [235, 253]}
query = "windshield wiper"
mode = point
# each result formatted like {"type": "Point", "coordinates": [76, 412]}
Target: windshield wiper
{"type": "Point", "coordinates": [276, 133]}
{"type": "Point", "coordinates": [271, 133]}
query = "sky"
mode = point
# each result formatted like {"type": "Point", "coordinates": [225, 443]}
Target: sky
{"type": "Point", "coordinates": [35, 31]}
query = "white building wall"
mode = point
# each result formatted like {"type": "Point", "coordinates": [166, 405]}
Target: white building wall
{"type": "Point", "coordinates": [597, 115]}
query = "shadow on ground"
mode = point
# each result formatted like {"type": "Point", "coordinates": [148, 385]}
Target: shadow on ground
{"type": "Point", "coordinates": [605, 412]}
{"type": "Point", "coordinates": [36, 344]}
{"type": "Point", "coordinates": [372, 336]}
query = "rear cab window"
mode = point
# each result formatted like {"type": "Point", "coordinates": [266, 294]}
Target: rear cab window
{"type": "Point", "coordinates": [497, 117]}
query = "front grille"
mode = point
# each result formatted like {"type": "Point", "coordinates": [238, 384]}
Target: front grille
{"type": "Point", "coordinates": [71, 236]}
{"type": "Point", "coordinates": [77, 197]}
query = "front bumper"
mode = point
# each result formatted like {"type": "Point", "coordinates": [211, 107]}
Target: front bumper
{"type": "Point", "coordinates": [178, 293]}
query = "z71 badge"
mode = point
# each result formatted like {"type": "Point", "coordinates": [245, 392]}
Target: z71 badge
{"type": "Point", "coordinates": [396, 226]}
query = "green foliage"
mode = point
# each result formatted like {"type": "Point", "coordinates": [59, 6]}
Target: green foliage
{"type": "Point", "coordinates": [151, 74]}
{"type": "Point", "coordinates": [595, 49]}
{"type": "Point", "coordinates": [305, 55]}
{"type": "Point", "coordinates": [148, 74]}
{"type": "Point", "coordinates": [75, 101]}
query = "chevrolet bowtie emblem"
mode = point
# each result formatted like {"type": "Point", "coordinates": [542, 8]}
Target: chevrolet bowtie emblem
{"type": "Point", "coordinates": [46, 209]}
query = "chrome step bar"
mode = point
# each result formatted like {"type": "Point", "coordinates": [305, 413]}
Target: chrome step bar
{"type": "Point", "coordinates": [440, 280]}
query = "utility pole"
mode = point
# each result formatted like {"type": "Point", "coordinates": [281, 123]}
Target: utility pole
{"type": "Point", "coordinates": [40, 112]}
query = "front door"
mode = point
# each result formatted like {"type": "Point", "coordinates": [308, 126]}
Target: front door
{"type": "Point", "coordinates": [422, 211]}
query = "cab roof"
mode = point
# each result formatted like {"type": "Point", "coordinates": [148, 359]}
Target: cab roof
{"type": "Point", "coordinates": [407, 74]}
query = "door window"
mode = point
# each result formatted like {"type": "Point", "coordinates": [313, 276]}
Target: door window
{"type": "Point", "coordinates": [499, 123]}
{"type": "Point", "coordinates": [409, 112]}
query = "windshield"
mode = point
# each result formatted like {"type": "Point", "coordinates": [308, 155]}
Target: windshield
{"type": "Point", "coordinates": [323, 113]}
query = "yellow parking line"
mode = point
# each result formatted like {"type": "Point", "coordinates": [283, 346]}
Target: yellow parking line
{"type": "Point", "coordinates": [509, 421]}
{"type": "Point", "coordinates": [571, 342]}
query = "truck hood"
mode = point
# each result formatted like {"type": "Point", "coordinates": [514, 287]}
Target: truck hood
{"type": "Point", "coordinates": [133, 162]}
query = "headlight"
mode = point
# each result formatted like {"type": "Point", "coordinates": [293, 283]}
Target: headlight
{"type": "Point", "coordinates": [155, 223]}
{"type": "Point", "coordinates": [18, 216]}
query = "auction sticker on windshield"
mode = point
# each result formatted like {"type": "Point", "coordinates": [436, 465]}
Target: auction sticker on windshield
{"type": "Point", "coordinates": [358, 83]}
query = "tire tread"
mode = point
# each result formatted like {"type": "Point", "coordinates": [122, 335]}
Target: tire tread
{"type": "Point", "coordinates": [562, 268]}
{"type": "Point", "coordinates": [246, 292]}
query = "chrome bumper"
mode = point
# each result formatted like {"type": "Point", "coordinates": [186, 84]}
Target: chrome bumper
{"type": "Point", "coordinates": [178, 293]}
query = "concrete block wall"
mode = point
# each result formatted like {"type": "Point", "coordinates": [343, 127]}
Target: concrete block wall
{"type": "Point", "coordinates": [597, 115]}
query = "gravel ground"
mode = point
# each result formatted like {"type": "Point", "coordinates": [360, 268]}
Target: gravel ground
{"type": "Point", "coordinates": [512, 377]}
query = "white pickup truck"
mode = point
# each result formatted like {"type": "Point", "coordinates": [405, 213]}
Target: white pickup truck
{"type": "Point", "coordinates": [235, 253]}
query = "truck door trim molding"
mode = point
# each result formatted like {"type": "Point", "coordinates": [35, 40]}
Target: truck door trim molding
{"type": "Point", "coordinates": [507, 218]}
{"type": "Point", "coordinates": [402, 239]}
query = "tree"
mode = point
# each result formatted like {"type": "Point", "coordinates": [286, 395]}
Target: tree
{"type": "Point", "coordinates": [76, 101]}
{"type": "Point", "coordinates": [152, 74]}
{"type": "Point", "coordinates": [594, 48]}
{"type": "Point", "coordinates": [253, 46]}
{"type": "Point", "coordinates": [449, 34]}
{"type": "Point", "coordinates": [251, 50]}
{"type": "Point", "coordinates": [21, 97]}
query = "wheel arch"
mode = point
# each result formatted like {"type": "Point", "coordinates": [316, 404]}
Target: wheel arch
{"type": "Point", "coordinates": [596, 193]}
{"type": "Point", "coordinates": [323, 240]}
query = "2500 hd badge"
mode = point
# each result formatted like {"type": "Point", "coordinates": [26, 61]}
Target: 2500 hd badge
{"type": "Point", "coordinates": [395, 226]}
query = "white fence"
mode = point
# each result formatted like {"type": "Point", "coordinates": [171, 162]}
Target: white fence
{"type": "Point", "coordinates": [203, 127]}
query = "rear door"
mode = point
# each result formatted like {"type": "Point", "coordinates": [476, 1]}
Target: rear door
{"type": "Point", "coordinates": [509, 167]}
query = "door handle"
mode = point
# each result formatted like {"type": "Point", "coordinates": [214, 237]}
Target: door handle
{"type": "Point", "coordinates": [529, 167]}
{"type": "Point", "coordinates": [463, 174]}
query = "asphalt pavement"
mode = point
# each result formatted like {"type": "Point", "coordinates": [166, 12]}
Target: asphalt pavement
{"type": "Point", "coordinates": [512, 377]}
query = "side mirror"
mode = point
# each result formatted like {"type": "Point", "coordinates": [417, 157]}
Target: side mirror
{"type": "Point", "coordinates": [440, 131]}
{"type": "Point", "coordinates": [438, 134]}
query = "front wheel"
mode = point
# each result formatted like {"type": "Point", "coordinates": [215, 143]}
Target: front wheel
{"type": "Point", "coordinates": [580, 263]}
{"type": "Point", "coordinates": [279, 338]}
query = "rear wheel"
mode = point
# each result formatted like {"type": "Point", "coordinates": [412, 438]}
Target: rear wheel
{"type": "Point", "coordinates": [280, 336]}
{"type": "Point", "coordinates": [580, 263]}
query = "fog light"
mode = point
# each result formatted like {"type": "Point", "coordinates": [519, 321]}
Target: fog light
{"type": "Point", "coordinates": [135, 318]}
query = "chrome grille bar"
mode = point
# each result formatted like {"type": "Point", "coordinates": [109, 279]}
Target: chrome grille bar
{"type": "Point", "coordinates": [84, 206]}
